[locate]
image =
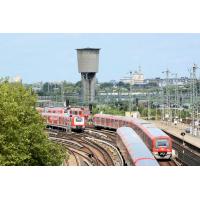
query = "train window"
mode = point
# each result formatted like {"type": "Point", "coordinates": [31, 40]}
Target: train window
{"type": "Point", "coordinates": [75, 112]}
{"type": "Point", "coordinates": [162, 143]}
{"type": "Point", "coordinates": [78, 119]}
{"type": "Point", "coordinates": [144, 137]}
{"type": "Point", "coordinates": [141, 133]}
{"type": "Point", "coordinates": [149, 142]}
{"type": "Point", "coordinates": [131, 125]}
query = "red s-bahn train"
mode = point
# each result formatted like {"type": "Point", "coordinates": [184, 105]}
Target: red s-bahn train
{"type": "Point", "coordinates": [64, 122]}
{"type": "Point", "coordinates": [133, 149]}
{"type": "Point", "coordinates": [159, 143]}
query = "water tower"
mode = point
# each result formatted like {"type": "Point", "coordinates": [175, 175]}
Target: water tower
{"type": "Point", "coordinates": [88, 66]}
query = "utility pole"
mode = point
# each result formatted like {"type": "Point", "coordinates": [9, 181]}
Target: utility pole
{"type": "Point", "coordinates": [130, 93]}
{"type": "Point", "coordinates": [168, 113]}
{"type": "Point", "coordinates": [48, 87]}
{"type": "Point", "coordinates": [180, 105]}
{"type": "Point", "coordinates": [117, 95]}
{"type": "Point", "coordinates": [194, 99]}
{"type": "Point", "coordinates": [163, 102]}
{"type": "Point", "coordinates": [61, 91]}
{"type": "Point", "coordinates": [149, 111]}
{"type": "Point", "coordinates": [176, 97]}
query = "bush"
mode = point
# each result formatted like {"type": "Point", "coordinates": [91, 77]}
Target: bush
{"type": "Point", "coordinates": [22, 137]}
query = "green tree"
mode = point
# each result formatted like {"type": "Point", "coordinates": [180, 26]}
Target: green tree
{"type": "Point", "coordinates": [23, 140]}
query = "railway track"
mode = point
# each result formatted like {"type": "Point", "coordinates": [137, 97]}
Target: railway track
{"type": "Point", "coordinates": [76, 160]}
{"type": "Point", "coordinates": [83, 153]}
{"type": "Point", "coordinates": [105, 134]}
{"type": "Point", "coordinates": [167, 163]}
{"type": "Point", "coordinates": [86, 151]}
{"type": "Point", "coordinates": [186, 153]}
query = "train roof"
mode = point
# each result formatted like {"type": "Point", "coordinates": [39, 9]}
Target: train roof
{"type": "Point", "coordinates": [52, 108]}
{"type": "Point", "coordinates": [157, 132]}
{"type": "Point", "coordinates": [151, 128]}
{"type": "Point", "coordinates": [138, 151]}
{"type": "Point", "coordinates": [54, 114]}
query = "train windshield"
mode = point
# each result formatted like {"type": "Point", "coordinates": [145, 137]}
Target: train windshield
{"type": "Point", "coordinates": [162, 143]}
{"type": "Point", "coordinates": [79, 119]}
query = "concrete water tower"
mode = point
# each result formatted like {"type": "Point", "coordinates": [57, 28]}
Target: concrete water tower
{"type": "Point", "coordinates": [88, 66]}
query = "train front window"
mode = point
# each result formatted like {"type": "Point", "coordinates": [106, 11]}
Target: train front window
{"type": "Point", "coordinates": [162, 143]}
{"type": "Point", "coordinates": [78, 119]}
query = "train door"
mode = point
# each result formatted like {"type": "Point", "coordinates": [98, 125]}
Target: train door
{"type": "Point", "coordinates": [115, 123]}
{"type": "Point", "coordinates": [108, 122]}
{"type": "Point", "coordinates": [103, 121]}
{"type": "Point", "coordinates": [49, 120]}
{"type": "Point", "coordinates": [56, 120]}
{"type": "Point", "coordinates": [61, 121]}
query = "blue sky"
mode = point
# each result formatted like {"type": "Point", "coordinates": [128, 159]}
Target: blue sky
{"type": "Point", "coordinates": [52, 57]}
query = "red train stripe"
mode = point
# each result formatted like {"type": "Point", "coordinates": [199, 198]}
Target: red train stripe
{"type": "Point", "coordinates": [138, 159]}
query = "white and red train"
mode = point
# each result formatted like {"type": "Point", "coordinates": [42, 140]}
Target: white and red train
{"type": "Point", "coordinates": [59, 118]}
{"type": "Point", "coordinates": [64, 122]}
{"type": "Point", "coordinates": [133, 149]}
{"type": "Point", "coordinates": [158, 142]}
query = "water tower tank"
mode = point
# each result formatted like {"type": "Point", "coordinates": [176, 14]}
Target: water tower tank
{"type": "Point", "coordinates": [88, 60]}
{"type": "Point", "coordinates": [88, 66]}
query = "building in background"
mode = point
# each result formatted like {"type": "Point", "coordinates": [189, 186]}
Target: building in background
{"type": "Point", "coordinates": [137, 78]}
